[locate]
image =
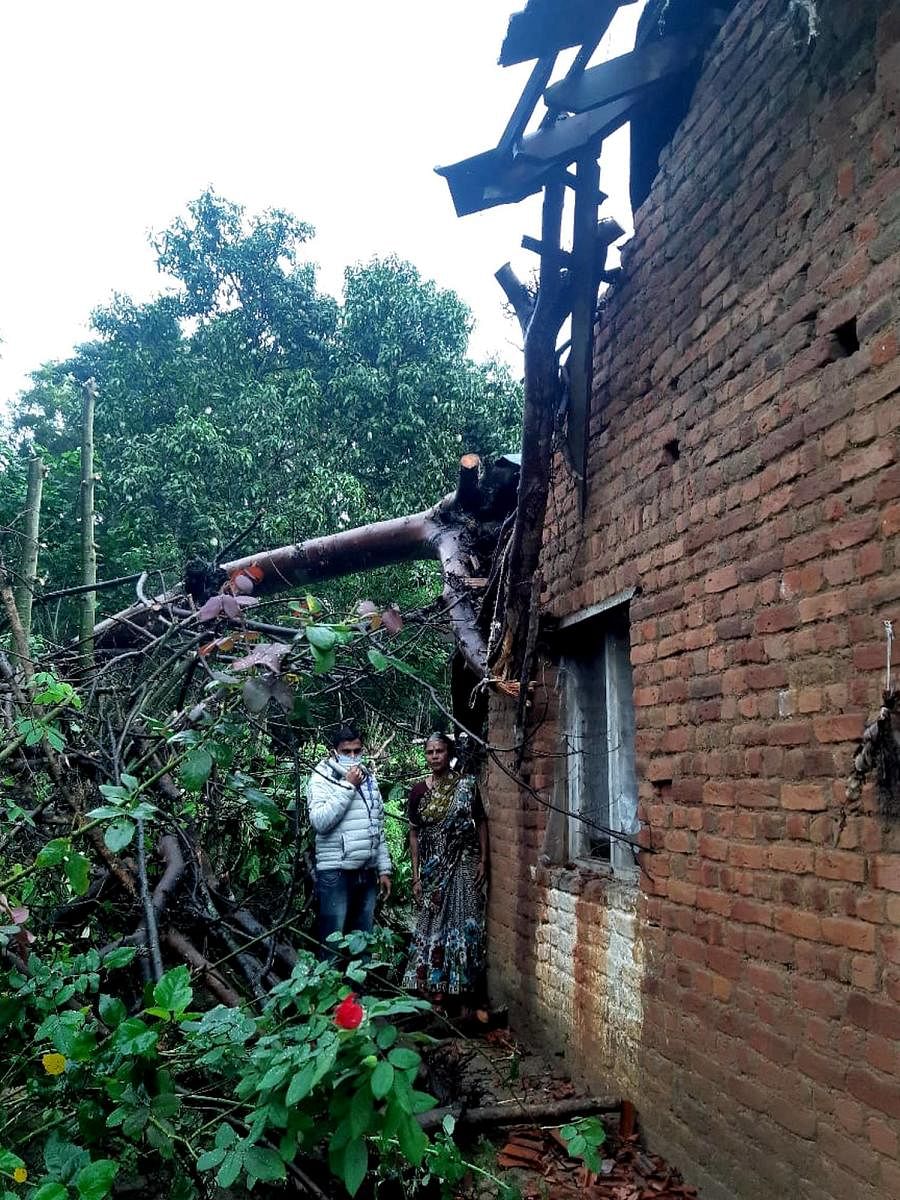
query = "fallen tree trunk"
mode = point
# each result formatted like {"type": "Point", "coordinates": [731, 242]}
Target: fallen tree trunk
{"type": "Point", "coordinates": [459, 532]}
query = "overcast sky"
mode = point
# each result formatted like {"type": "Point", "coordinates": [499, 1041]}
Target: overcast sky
{"type": "Point", "coordinates": [117, 112]}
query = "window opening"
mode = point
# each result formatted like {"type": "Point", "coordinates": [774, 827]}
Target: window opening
{"type": "Point", "coordinates": [598, 702]}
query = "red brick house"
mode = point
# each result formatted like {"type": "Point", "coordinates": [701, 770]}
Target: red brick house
{"type": "Point", "coordinates": [714, 642]}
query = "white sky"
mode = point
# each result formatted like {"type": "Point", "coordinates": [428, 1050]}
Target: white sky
{"type": "Point", "coordinates": [116, 113]}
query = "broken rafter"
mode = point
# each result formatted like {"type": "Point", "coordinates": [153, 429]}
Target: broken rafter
{"type": "Point", "coordinates": [505, 177]}
{"type": "Point", "coordinates": [621, 76]}
{"type": "Point", "coordinates": [550, 25]}
{"type": "Point", "coordinates": [521, 114]}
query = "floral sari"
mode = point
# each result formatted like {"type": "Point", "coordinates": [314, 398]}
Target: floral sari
{"type": "Point", "coordinates": [447, 954]}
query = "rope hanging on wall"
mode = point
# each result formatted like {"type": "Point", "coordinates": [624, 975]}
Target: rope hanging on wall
{"type": "Point", "coordinates": [879, 749]}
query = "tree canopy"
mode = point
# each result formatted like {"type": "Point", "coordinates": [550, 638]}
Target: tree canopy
{"type": "Point", "coordinates": [243, 390]}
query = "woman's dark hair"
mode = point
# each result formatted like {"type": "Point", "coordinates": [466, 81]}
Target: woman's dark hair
{"type": "Point", "coordinates": [438, 736]}
{"type": "Point", "coordinates": [343, 733]}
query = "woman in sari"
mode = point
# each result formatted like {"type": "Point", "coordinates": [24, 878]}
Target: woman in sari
{"type": "Point", "coordinates": [448, 849]}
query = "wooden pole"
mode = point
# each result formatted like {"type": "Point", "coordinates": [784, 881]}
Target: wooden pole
{"type": "Point", "coordinates": [30, 544]}
{"type": "Point", "coordinates": [88, 548]}
{"type": "Point", "coordinates": [584, 302]}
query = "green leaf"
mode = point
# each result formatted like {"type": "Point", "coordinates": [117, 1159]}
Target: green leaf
{"type": "Point", "coordinates": [9, 1162]}
{"type": "Point", "coordinates": [113, 792]}
{"type": "Point", "coordinates": [361, 1111]}
{"type": "Point", "coordinates": [50, 1191]}
{"type": "Point", "coordinates": [413, 1141]}
{"type": "Point", "coordinates": [576, 1145]}
{"type": "Point", "coordinates": [195, 770]}
{"type": "Point", "coordinates": [378, 660]}
{"type": "Point", "coordinates": [223, 755]}
{"type": "Point", "coordinates": [421, 1101]}
{"type": "Point", "coordinates": [382, 1080]}
{"type": "Point", "coordinates": [274, 1076]}
{"type": "Point", "coordinates": [105, 810]}
{"type": "Point", "coordinates": [120, 957]}
{"type": "Point", "coordinates": [211, 1159]}
{"type": "Point", "coordinates": [320, 637]}
{"type": "Point", "coordinates": [386, 1037]}
{"type": "Point", "coordinates": [262, 1163]}
{"type": "Point", "coordinates": [165, 1104]}
{"type": "Point", "coordinates": [63, 1159]}
{"type": "Point", "coordinates": [403, 1058]}
{"type": "Point", "coordinates": [78, 873]}
{"type": "Point", "coordinates": [159, 1137]}
{"type": "Point", "coordinates": [134, 1036]}
{"type": "Point", "coordinates": [112, 1011]}
{"type": "Point", "coordinates": [448, 1124]}
{"type": "Point", "coordinates": [225, 1136]}
{"type": "Point", "coordinates": [230, 1168]}
{"type": "Point", "coordinates": [301, 1084]}
{"type": "Point", "coordinates": [53, 853]}
{"type": "Point", "coordinates": [174, 991]}
{"type": "Point", "coordinates": [94, 1181]}
{"type": "Point", "coordinates": [355, 1165]}
{"type": "Point", "coordinates": [55, 738]}
{"type": "Point", "coordinates": [118, 835]}
{"type": "Point", "coordinates": [323, 661]}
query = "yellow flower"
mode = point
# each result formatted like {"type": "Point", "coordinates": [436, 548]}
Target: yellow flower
{"type": "Point", "coordinates": [54, 1064]}
{"type": "Point", "coordinates": [20, 1174]}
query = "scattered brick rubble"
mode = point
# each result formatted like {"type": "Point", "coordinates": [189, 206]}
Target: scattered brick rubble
{"type": "Point", "coordinates": [494, 1070]}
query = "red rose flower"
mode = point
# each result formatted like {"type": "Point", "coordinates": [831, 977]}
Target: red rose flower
{"type": "Point", "coordinates": [349, 1013]}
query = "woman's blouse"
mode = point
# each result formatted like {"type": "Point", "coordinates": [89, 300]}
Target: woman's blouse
{"type": "Point", "coordinates": [419, 792]}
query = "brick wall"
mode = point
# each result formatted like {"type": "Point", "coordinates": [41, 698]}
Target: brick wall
{"type": "Point", "coordinates": [745, 992]}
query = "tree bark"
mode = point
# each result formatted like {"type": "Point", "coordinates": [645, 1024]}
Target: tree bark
{"type": "Point", "coordinates": [449, 532]}
{"type": "Point", "coordinates": [30, 544]}
{"type": "Point", "coordinates": [88, 549]}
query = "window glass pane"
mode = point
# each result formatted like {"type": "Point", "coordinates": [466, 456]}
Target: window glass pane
{"type": "Point", "coordinates": [589, 782]}
{"type": "Point", "coordinates": [599, 732]}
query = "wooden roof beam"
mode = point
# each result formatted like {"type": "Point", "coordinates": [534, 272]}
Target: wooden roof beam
{"type": "Point", "coordinates": [625, 75]}
{"type": "Point", "coordinates": [545, 26]}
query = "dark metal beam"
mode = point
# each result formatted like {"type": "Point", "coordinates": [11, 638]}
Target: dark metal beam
{"type": "Point", "coordinates": [624, 75]}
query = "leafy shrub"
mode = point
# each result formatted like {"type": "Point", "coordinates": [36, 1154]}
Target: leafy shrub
{"type": "Point", "coordinates": [93, 1091]}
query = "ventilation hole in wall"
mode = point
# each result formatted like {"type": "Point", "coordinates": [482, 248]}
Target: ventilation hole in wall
{"type": "Point", "coordinates": [845, 340]}
{"type": "Point", "coordinates": [671, 452]}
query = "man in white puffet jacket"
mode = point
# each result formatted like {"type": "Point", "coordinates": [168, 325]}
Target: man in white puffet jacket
{"type": "Point", "coordinates": [352, 860]}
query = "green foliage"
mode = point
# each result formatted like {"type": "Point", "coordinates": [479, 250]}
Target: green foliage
{"type": "Point", "coordinates": [246, 390]}
{"type": "Point", "coordinates": [583, 1139]}
{"type": "Point", "coordinates": [285, 1082]}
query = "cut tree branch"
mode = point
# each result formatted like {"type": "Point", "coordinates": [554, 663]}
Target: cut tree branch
{"type": "Point", "coordinates": [447, 532]}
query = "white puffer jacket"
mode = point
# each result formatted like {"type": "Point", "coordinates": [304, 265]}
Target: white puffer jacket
{"type": "Point", "coordinates": [349, 822]}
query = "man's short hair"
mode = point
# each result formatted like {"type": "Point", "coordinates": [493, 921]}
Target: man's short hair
{"type": "Point", "coordinates": [343, 733]}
